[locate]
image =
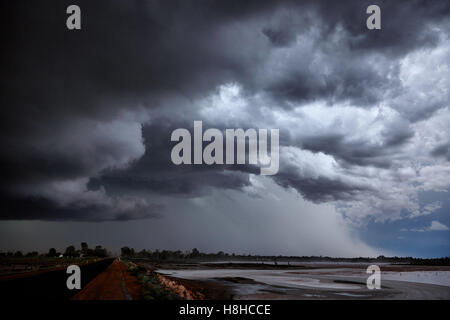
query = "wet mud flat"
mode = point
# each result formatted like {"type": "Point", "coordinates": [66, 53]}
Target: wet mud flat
{"type": "Point", "coordinates": [243, 281]}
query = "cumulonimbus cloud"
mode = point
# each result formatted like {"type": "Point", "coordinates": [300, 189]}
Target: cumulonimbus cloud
{"type": "Point", "coordinates": [363, 117]}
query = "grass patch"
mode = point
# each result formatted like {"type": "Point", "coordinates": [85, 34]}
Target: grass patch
{"type": "Point", "coordinates": [152, 288]}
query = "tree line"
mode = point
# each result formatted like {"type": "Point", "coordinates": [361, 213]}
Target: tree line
{"type": "Point", "coordinates": [195, 254]}
{"type": "Point", "coordinates": [71, 251]}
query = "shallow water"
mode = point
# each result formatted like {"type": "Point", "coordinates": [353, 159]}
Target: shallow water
{"type": "Point", "coordinates": [281, 278]}
{"type": "Point", "coordinates": [312, 283]}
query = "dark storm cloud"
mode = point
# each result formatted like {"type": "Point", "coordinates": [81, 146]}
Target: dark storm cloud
{"type": "Point", "coordinates": [354, 153]}
{"type": "Point", "coordinates": [407, 22]}
{"type": "Point", "coordinates": [155, 172]}
{"type": "Point", "coordinates": [359, 79]}
{"type": "Point", "coordinates": [68, 95]}
{"type": "Point", "coordinates": [358, 83]}
{"type": "Point", "coordinates": [359, 153]}
{"type": "Point", "coordinates": [128, 54]}
{"type": "Point", "coordinates": [319, 189]}
{"type": "Point", "coordinates": [59, 85]}
{"type": "Point", "coordinates": [442, 151]}
{"type": "Point", "coordinates": [40, 208]}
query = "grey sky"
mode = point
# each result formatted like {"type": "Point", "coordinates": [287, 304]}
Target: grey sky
{"type": "Point", "coordinates": [363, 116]}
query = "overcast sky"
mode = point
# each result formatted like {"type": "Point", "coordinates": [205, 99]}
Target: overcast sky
{"type": "Point", "coordinates": [364, 120]}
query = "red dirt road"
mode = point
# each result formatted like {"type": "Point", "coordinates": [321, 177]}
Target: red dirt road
{"type": "Point", "coordinates": [115, 283]}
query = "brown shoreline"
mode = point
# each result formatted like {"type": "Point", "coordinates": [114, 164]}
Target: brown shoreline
{"type": "Point", "coordinates": [205, 290]}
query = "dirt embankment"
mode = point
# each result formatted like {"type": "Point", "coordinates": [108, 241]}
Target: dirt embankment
{"type": "Point", "coordinates": [192, 289]}
{"type": "Point", "coordinates": [180, 289]}
{"type": "Point", "coordinates": [197, 289]}
{"type": "Point", "coordinates": [115, 283]}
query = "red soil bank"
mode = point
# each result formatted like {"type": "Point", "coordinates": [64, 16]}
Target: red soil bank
{"type": "Point", "coordinates": [115, 283]}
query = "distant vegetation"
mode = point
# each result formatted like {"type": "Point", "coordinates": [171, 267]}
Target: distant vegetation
{"type": "Point", "coordinates": [14, 262]}
{"type": "Point", "coordinates": [195, 254]}
{"type": "Point", "coordinates": [70, 252]}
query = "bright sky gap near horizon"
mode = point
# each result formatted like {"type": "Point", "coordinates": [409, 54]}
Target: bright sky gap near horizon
{"type": "Point", "coordinates": [363, 118]}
